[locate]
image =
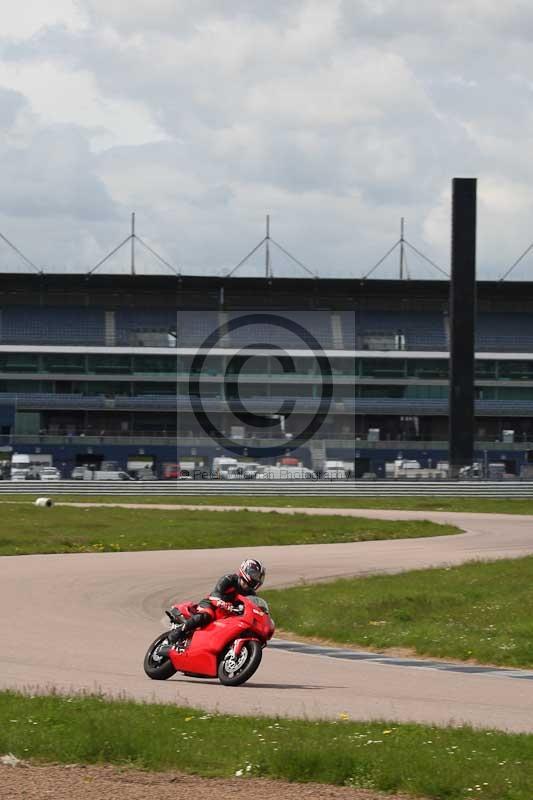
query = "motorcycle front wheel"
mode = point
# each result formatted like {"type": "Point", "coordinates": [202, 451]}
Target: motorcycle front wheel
{"type": "Point", "coordinates": [234, 670]}
{"type": "Point", "coordinates": [158, 669]}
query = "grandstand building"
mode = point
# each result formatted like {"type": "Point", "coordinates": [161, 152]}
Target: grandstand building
{"type": "Point", "coordinates": [107, 367]}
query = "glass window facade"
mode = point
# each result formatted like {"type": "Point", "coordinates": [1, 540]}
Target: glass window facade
{"type": "Point", "coordinates": [258, 376]}
{"type": "Point", "coordinates": [109, 364]}
{"type": "Point", "coordinates": [19, 362]}
{"type": "Point", "coordinates": [382, 368]}
{"type": "Point", "coordinates": [515, 370]}
{"type": "Point", "coordinates": [154, 365]}
{"type": "Point", "coordinates": [430, 368]}
{"type": "Point", "coordinates": [418, 391]}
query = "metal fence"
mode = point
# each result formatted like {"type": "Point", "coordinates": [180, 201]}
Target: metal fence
{"type": "Point", "coordinates": [245, 488]}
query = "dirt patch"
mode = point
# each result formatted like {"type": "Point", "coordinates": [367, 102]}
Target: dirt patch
{"type": "Point", "coordinates": [54, 782]}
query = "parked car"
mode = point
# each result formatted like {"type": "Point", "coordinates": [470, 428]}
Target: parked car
{"type": "Point", "coordinates": [78, 473]}
{"type": "Point", "coordinates": [50, 474]}
{"type": "Point", "coordinates": [184, 475]}
{"type": "Point", "coordinates": [286, 474]}
{"type": "Point", "coordinates": [145, 475]}
{"type": "Point", "coordinates": [369, 476]}
{"type": "Point", "coordinates": [410, 464]}
{"type": "Point", "coordinates": [109, 466]}
{"type": "Point", "coordinates": [19, 475]}
{"type": "Point", "coordinates": [170, 472]}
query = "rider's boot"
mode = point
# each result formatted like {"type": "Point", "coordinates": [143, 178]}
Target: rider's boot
{"type": "Point", "coordinates": [182, 632]}
{"type": "Point", "coordinates": [172, 639]}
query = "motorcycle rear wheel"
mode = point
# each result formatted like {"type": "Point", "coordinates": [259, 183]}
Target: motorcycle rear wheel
{"type": "Point", "coordinates": [158, 670]}
{"type": "Point", "coordinates": [235, 671]}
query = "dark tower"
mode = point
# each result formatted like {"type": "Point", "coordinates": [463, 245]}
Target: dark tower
{"type": "Point", "coordinates": [462, 324]}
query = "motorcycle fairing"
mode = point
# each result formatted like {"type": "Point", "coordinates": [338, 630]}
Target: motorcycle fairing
{"type": "Point", "coordinates": [206, 645]}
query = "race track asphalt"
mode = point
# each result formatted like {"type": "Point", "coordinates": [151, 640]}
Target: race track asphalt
{"type": "Point", "coordinates": [83, 622]}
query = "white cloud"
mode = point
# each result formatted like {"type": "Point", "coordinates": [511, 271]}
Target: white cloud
{"type": "Point", "coordinates": [65, 97]}
{"type": "Point", "coordinates": [180, 17]}
{"type": "Point", "coordinates": [22, 20]}
{"type": "Point", "coordinates": [338, 118]}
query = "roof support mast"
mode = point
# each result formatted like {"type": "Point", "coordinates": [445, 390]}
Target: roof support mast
{"type": "Point", "coordinates": [267, 240]}
{"type": "Point", "coordinates": [402, 248]}
{"type": "Point", "coordinates": [268, 270]}
{"type": "Point", "coordinates": [132, 239]}
{"type": "Point", "coordinates": [133, 243]}
{"type": "Point", "coordinates": [403, 244]}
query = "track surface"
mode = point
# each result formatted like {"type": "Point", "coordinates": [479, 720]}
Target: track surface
{"type": "Point", "coordinates": [84, 622]}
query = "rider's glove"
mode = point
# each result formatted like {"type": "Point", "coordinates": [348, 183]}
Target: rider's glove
{"type": "Point", "coordinates": [222, 604]}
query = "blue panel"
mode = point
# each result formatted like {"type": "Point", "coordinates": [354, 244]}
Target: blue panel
{"type": "Point", "coordinates": [7, 416]}
{"type": "Point", "coordinates": [49, 325]}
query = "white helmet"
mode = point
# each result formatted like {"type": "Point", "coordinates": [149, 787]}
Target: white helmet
{"type": "Point", "coordinates": [252, 573]}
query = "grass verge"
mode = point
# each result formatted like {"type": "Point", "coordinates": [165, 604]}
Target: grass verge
{"type": "Point", "coordinates": [488, 505]}
{"type": "Point", "coordinates": [478, 611]}
{"type": "Point", "coordinates": [27, 529]}
{"type": "Point", "coordinates": [439, 763]}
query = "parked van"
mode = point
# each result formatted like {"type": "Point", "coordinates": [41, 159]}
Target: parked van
{"type": "Point", "coordinates": [223, 466]}
{"type": "Point", "coordinates": [335, 474]}
{"type": "Point", "coordinates": [20, 467]}
{"type": "Point", "coordinates": [106, 475]}
{"type": "Point", "coordinates": [27, 466]}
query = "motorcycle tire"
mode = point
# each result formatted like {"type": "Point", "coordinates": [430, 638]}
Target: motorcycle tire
{"type": "Point", "coordinates": [253, 653]}
{"type": "Point", "coordinates": [162, 670]}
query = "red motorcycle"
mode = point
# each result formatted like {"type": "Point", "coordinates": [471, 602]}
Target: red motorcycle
{"type": "Point", "coordinates": [230, 647]}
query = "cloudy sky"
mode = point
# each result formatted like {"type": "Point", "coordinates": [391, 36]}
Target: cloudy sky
{"type": "Point", "coordinates": [336, 117]}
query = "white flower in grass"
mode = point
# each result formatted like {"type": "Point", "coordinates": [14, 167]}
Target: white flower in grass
{"type": "Point", "coordinates": [239, 773]}
{"type": "Point", "coordinates": [10, 760]}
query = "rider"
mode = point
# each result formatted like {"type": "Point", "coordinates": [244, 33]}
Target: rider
{"type": "Point", "coordinates": [246, 581]}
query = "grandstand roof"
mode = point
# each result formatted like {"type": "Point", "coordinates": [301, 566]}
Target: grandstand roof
{"type": "Point", "coordinates": [204, 292]}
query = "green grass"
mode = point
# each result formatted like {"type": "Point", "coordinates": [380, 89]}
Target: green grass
{"type": "Point", "coordinates": [479, 611]}
{"type": "Point", "coordinates": [506, 505]}
{"type": "Point", "coordinates": [440, 763]}
{"type": "Point", "coordinates": [27, 529]}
